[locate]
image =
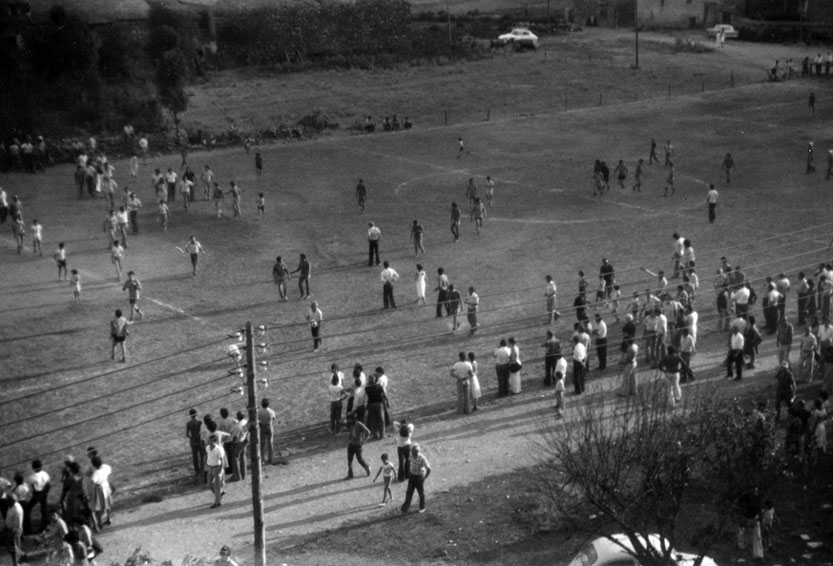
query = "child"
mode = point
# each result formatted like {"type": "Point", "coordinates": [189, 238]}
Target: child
{"type": "Point", "coordinates": [490, 189]}
{"type": "Point", "coordinates": [76, 283]}
{"type": "Point", "coordinates": [19, 230]}
{"type": "Point", "coordinates": [560, 372]}
{"type": "Point", "coordinates": [600, 292]}
{"type": "Point", "coordinates": [767, 518]}
{"type": "Point", "coordinates": [61, 259]}
{"type": "Point", "coordinates": [134, 166]}
{"type": "Point", "coordinates": [261, 206]}
{"type": "Point", "coordinates": [116, 256]}
{"type": "Point", "coordinates": [37, 237]}
{"type": "Point", "coordinates": [460, 147]}
{"type": "Point", "coordinates": [388, 475]}
{"type": "Point", "coordinates": [258, 163]}
{"type": "Point", "coordinates": [669, 181]}
{"type": "Point", "coordinates": [164, 215]}
{"type": "Point", "coordinates": [475, 383]}
{"type": "Point", "coordinates": [218, 196]}
{"type": "Point", "coordinates": [615, 295]}
{"type": "Point", "coordinates": [635, 306]}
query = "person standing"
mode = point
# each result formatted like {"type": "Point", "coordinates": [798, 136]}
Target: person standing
{"type": "Point", "coordinates": [404, 431]}
{"type": "Point", "coordinates": [133, 207]}
{"type": "Point", "coordinates": [336, 395]}
{"type": "Point", "coordinates": [478, 212]}
{"type": "Point", "coordinates": [515, 367]}
{"type": "Point", "coordinates": [669, 151]}
{"type": "Point", "coordinates": [118, 335]}
{"type": "Point", "coordinates": [170, 181]}
{"type": "Point", "coordinates": [629, 362]}
{"type": "Point", "coordinates": [711, 201]}
{"type": "Point", "coordinates": [669, 181]}
{"type": "Point", "coordinates": [552, 298]}
{"type": "Point", "coordinates": [194, 249]}
{"type": "Point", "coordinates": [471, 193]}
{"type": "Point", "coordinates": [552, 353]}
{"type": "Point", "coordinates": [728, 166]}
{"type": "Point", "coordinates": [637, 176]}
{"type": "Point", "coordinates": [455, 221]}
{"type": "Point", "coordinates": [418, 472]}
{"type": "Point", "coordinates": [417, 233]}
{"type": "Point", "coordinates": [735, 357]}
{"type": "Point", "coordinates": [811, 164]}
{"type": "Point", "coordinates": [314, 318]}
{"type": "Point", "coordinates": [784, 388]}
{"type": "Point", "coordinates": [389, 276]}
{"type": "Point", "coordinates": [490, 189]}
{"type": "Point", "coordinates": [303, 271]}
{"type": "Point", "coordinates": [192, 432]}
{"type": "Point", "coordinates": [4, 206]}
{"type": "Point", "coordinates": [809, 345]}
{"type": "Point", "coordinates": [502, 354]}
{"type": "Point", "coordinates": [373, 237]}
{"type": "Point", "coordinates": [472, 306]}
{"type": "Point", "coordinates": [258, 164]}
{"type": "Point", "coordinates": [452, 306]}
{"type": "Point", "coordinates": [361, 194]}
{"type": "Point", "coordinates": [215, 464]}
{"type": "Point", "coordinates": [607, 273]}
{"type": "Point", "coordinates": [419, 278]}
{"type": "Point", "coordinates": [207, 178]}
{"type": "Point", "coordinates": [670, 365]}
{"type": "Point", "coordinates": [600, 332]}
{"type": "Point", "coordinates": [462, 372]}
{"type": "Point", "coordinates": [812, 103]}
{"type": "Point", "coordinates": [235, 193]}
{"type": "Point", "coordinates": [280, 273]}
{"type": "Point", "coordinates": [240, 438]}
{"type": "Point", "coordinates": [357, 434]}
{"type": "Point", "coordinates": [122, 219]}
{"type": "Point", "coordinates": [579, 360]}
{"type": "Point", "coordinates": [442, 291]}
{"type": "Point", "coordinates": [266, 419]}
{"type": "Point", "coordinates": [40, 482]}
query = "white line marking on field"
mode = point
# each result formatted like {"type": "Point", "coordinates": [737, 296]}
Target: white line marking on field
{"type": "Point", "coordinates": [541, 220]}
{"type": "Point", "coordinates": [94, 277]}
{"type": "Point", "coordinates": [424, 177]}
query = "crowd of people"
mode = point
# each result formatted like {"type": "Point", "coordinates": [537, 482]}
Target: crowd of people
{"type": "Point", "coordinates": [64, 529]}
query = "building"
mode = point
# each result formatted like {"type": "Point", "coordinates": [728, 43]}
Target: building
{"type": "Point", "coordinates": [657, 13]}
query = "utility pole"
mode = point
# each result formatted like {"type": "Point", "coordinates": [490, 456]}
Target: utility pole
{"type": "Point", "coordinates": [636, 31]}
{"type": "Point", "coordinates": [254, 450]}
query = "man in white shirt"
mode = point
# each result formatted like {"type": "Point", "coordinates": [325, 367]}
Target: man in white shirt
{"type": "Point", "coordinates": [735, 357]}
{"type": "Point", "coordinates": [373, 237]}
{"type": "Point", "coordinates": [600, 332]}
{"type": "Point", "coordinates": [442, 291]}
{"type": "Point", "coordinates": [39, 481]}
{"type": "Point", "coordinates": [170, 180]}
{"type": "Point", "coordinates": [741, 300]}
{"type": "Point", "coordinates": [215, 464]}
{"type": "Point", "coordinates": [462, 371]}
{"type": "Point", "coordinates": [389, 276]}
{"type": "Point", "coordinates": [240, 434]}
{"type": "Point", "coordinates": [193, 248]}
{"type": "Point", "coordinates": [679, 245]}
{"type": "Point", "coordinates": [711, 200]}
{"type": "Point", "coordinates": [552, 298]}
{"type": "Point", "coordinates": [472, 306]}
{"type": "Point", "coordinates": [579, 359]}
{"type": "Point", "coordinates": [502, 354]}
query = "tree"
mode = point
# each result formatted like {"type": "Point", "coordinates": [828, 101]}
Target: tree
{"type": "Point", "coordinates": [171, 71]}
{"type": "Point", "coordinates": [634, 467]}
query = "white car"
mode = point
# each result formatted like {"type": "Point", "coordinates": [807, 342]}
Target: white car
{"type": "Point", "coordinates": [605, 552]}
{"type": "Point", "coordinates": [520, 36]}
{"type": "Point", "coordinates": [729, 32]}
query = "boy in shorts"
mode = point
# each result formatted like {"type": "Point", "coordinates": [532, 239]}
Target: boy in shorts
{"type": "Point", "coordinates": [133, 288]}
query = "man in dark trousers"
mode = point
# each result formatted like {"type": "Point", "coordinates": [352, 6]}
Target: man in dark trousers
{"type": "Point", "coordinates": [192, 432]}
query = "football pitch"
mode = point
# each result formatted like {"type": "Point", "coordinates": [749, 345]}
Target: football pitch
{"type": "Point", "coordinates": [62, 393]}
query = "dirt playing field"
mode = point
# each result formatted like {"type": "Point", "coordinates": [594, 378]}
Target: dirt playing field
{"type": "Point", "coordinates": [61, 392]}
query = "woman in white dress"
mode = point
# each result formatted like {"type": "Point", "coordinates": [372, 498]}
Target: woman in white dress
{"type": "Point", "coordinates": [476, 393]}
{"type": "Point", "coordinates": [516, 364]}
{"type": "Point", "coordinates": [101, 493]}
{"type": "Point", "coordinates": [420, 284]}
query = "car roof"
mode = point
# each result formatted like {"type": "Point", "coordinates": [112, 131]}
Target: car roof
{"type": "Point", "coordinates": [622, 544]}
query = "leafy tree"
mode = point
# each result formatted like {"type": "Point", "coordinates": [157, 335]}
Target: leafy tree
{"type": "Point", "coordinates": [171, 71]}
{"type": "Point", "coordinates": [634, 466]}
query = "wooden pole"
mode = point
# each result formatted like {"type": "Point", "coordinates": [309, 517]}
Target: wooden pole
{"type": "Point", "coordinates": [254, 450]}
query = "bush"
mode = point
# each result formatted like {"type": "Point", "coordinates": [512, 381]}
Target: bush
{"type": "Point", "coordinates": [690, 46]}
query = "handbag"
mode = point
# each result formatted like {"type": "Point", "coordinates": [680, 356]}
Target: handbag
{"type": "Point", "coordinates": [515, 367]}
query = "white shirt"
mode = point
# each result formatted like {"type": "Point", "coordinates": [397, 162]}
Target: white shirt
{"type": "Point", "coordinates": [38, 480]}
{"type": "Point", "coordinates": [712, 197]}
{"type": "Point", "coordinates": [783, 285]}
{"type": "Point", "coordinates": [383, 381]}
{"type": "Point", "coordinates": [502, 355]}
{"type": "Point", "coordinates": [551, 289]}
{"type": "Point", "coordinates": [37, 232]}
{"type": "Point", "coordinates": [579, 352]}
{"type": "Point", "coordinates": [215, 456]}
{"type": "Point", "coordinates": [374, 234]}
{"type": "Point", "coordinates": [170, 177]}
{"type": "Point", "coordinates": [462, 370]}
{"type": "Point", "coordinates": [741, 296]}
{"type": "Point", "coordinates": [121, 217]}
{"type": "Point", "coordinates": [600, 330]}
{"type": "Point", "coordinates": [334, 392]}
{"type": "Point", "coordinates": [389, 275]}
{"type": "Point", "coordinates": [825, 333]}
{"type": "Point", "coordinates": [193, 247]}
{"type": "Point", "coordinates": [679, 244]}
{"type": "Point", "coordinates": [662, 324]}
{"type": "Point", "coordinates": [737, 341]}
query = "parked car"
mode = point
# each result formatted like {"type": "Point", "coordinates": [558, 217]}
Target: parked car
{"type": "Point", "coordinates": [605, 552]}
{"type": "Point", "coordinates": [729, 32]}
{"type": "Point", "coordinates": [521, 37]}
